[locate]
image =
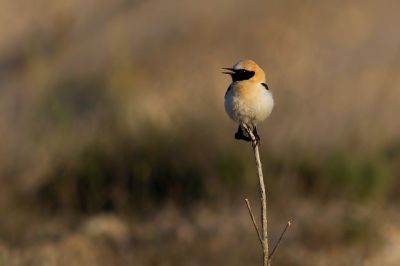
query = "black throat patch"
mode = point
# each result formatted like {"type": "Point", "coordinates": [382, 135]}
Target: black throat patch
{"type": "Point", "coordinates": [242, 74]}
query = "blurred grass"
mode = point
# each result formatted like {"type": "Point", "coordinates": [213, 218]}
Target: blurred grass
{"type": "Point", "coordinates": [123, 175]}
{"type": "Point", "coordinates": [73, 94]}
{"type": "Point", "coordinates": [116, 106]}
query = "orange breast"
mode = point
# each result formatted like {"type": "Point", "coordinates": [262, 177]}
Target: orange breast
{"type": "Point", "coordinates": [247, 91]}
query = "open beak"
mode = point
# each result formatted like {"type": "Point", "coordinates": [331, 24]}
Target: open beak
{"type": "Point", "coordinates": [230, 69]}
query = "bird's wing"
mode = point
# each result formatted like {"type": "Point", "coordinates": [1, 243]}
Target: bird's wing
{"type": "Point", "coordinates": [227, 90]}
{"type": "Point", "coordinates": [265, 85]}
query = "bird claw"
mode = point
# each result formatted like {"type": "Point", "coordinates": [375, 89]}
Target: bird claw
{"type": "Point", "coordinates": [256, 143]}
{"type": "Point", "coordinates": [257, 138]}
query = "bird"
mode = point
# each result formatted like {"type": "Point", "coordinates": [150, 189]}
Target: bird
{"type": "Point", "coordinates": [248, 99]}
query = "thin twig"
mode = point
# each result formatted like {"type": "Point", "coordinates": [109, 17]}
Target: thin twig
{"type": "Point", "coordinates": [254, 221]}
{"type": "Point", "coordinates": [266, 261]}
{"type": "Point", "coordinates": [279, 241]}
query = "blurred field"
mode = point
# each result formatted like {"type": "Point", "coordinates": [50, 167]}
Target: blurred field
{"type": "Point", "coordinates": [115, 148]}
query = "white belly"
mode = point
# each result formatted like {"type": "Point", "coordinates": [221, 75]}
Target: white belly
{"type": "Point", "coordinates": [249, 110]}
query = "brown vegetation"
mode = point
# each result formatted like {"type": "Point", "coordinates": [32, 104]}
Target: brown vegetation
{"type": "Point", "coordinates": [115, 148]}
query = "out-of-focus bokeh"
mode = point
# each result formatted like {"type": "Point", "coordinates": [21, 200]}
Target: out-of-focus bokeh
{"type": "Point", "coordinates": [115, 148]}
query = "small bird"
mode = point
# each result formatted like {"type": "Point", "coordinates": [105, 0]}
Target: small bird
{"type": "Point", "coordinates": [248, 99]}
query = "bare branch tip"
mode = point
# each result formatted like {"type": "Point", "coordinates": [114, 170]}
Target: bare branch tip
{"type": "Point", "coordinates": [279, 241]}
{"type": "Point", "coordinates": [254, 222]}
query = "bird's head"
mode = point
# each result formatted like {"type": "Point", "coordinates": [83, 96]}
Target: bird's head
{"type": "Point", "coordinates": [246, 70]}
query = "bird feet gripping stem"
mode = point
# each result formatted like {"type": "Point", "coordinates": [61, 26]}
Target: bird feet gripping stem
{"type": "Point", "coordinates": [257, 137]}
{"type": "Point", "coordinates": [255, 143]}
{"type": "Point", "coordinates": [248, 133]}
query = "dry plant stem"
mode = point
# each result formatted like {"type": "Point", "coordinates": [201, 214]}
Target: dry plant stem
{"type": "Point", "coordinates": [264, 237]}
{"type": "Point", "coordinates": [264, 243]}
{"type": "Point", "coordinates": [254, 222]}
{"type": "Point", "coordinates": [279, 241]}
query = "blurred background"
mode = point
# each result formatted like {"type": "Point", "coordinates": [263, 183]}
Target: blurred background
{"type": "Point", "coordinates": [115, 148]}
